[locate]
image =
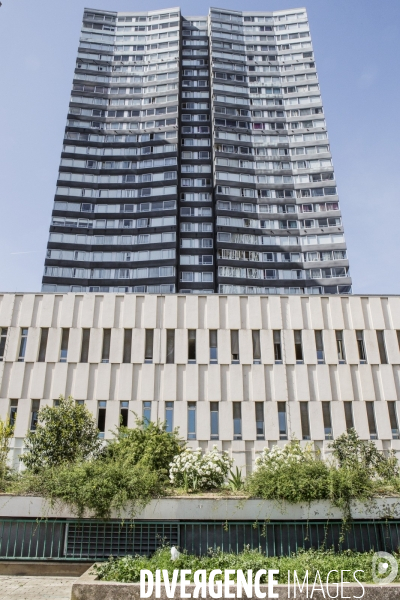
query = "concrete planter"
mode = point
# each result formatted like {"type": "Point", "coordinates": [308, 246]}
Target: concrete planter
{"type": "Point", "coordinates": [210, 509]}
{"type": "Point", "coordinates": [88, 587]}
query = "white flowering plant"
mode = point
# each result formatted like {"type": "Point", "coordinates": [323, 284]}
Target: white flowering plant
{"type": "Point", "coordinates": [197, 471]}
{"type": "Point", "coordinates": [278, 456]}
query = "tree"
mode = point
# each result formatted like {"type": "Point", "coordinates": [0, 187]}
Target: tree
{"type": "Point", "coordinates": [64, 434]}
{"type": "Point", "coordinates": [6, 433]}
{"type": "Point", "coordinates": [131, 469]}
{"type": "Point", "coordinates": [352, 452]}
{"type": "Point", "coordinates": [148, 443]}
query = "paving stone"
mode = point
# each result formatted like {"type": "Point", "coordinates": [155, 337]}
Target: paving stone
{"type": "Point", "coordinates": [35, 588]}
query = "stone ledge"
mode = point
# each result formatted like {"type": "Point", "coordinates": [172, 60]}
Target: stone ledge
{"type": "Point", "coordinates": [209, 509]}
{"type": "Point", "coordinates": [88, 587]}
{"type": "Point", "coordinates": [43, 568]}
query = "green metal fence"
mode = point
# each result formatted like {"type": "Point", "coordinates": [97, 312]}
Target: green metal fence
{"type": "Point", "coordinates": [28, 539]}
{"type": "Point", "coordinates": [80, 540]}
{"type": "Point", "coordinates": [278, 538]}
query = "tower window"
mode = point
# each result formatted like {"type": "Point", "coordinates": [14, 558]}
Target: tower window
{"type": "Point", "coordinates": [340, 347]}
{"type": "Point", "coordinates": [192, 345]}
{"type": "Point", "coordinates": [191, 420]}
{"type": "Point", "coordinates": [214, 420]}
{"type": "Point", "coordinates": [282, 421]}
{"type": "Point", "coordinates": [105, 356]}
{"type": "Point", "coordinates": [382, 347]}
{"type": "Point", "coordinates": [127, 352]}
{"type": "Point", "coordinates": [361, 347]}
{"type": "Point", "coordinates": [305, 421]}
{"type": "Point", "coordinates": [44, 335]}
{"type": "Point", "coordinates": [373, 433]}
{"type": "Point", "coordinates": [260, 427]}
{"type": "Point", "coordinates": [149, 344]}
{"type": "Point", "coordinates": [64, 345]}
{"type": "Point", "coordinates": [237, 420]}
{"type": "Point", "coordinates": [298, 347]}
{"type": "Point", "coordinates": [85, 345]}
{"type": "Point", "coordinates": [348, 415]}
{"type": "Point", "coordinates": [213, 346]}
{"type": "Point", "coordinates": [256, 346]}
{"type": "Point", "coordinates": [277, 346]}
{"type": "Point", "coordinates": [319, 343]}
{"type": "Point", "coordinates": [234, 345]}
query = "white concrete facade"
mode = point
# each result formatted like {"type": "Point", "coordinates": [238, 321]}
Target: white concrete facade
{"type": "Point", "coordinates": [221, 509]}
{"type": "Point", "coordinates": [26, 381]}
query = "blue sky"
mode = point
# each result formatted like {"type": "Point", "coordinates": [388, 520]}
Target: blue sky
{"type": "Point", "coordinates": [357, 50]}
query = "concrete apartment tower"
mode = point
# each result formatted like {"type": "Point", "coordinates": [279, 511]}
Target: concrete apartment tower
{"type": "Point", "coordinates": [196, 159]}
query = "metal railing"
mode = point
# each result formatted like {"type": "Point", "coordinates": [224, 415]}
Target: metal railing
{"type": "Point", "coordinates": [79, 540]}
{"type": "Point", "coordinates": [282, 538]}
{"type": "Point", "coordinates": [84, 540]}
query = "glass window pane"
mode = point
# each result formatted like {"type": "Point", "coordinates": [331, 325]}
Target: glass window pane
{"type": "Point", "coordinates": [340, 347]}
{"type": "Point", "coordinates": [34, 414]}
{"type": "Point", "coordinates": [237, 420]}
{"type": "Point", "coordinates": [235, 344]}
{"type": "Point", "coordinates": [305, 421]}
{"type": "Point", "coordinates": [382, 347]}
{"type": "Point", "coordinates": [43, 344]}
{"type": "Point", "coordinates": [169, 416]}
{"type": "Point", "coordinates": [326, 414]}
{"type": "Point", "coordinates": [373, 434]}
{"type": "Point", "coordinates": [277, 346]}
{"type": "Point", "coordinates": [260, 420]}
{"type": "Point", "coordinates": [148, 353]}
{"type": "Point", "coordinates": [348, 414]}
{"type": "Point", "coordinates": [170, 346]}
{"type": "Point", "coordinates": [85, 345]}
{"type": "Point", "coordinates": [101, 417]}
{"type": "Point", "coordinates": [282, 420]}
{"type": "Point", "coordinates": [213, 345]}
{"type": "Point", "coordinates": [298, 346]}
{"type": "Point", "coordinates": [3, 339]}
{"type": "Point", "coordinates": [105, 357]}
{"type": "Point", "coordinates": [319, 342]}
{"type": "Point", "coordinates": [256, 345]}
{"type": "Point", "coordinates": [147, 412]}
{"type": "Point", "coordinates": [191, 420]}
{"type": "Point", "coordinates": [191, 344]}
{"type": "Point", "coordinates": [214, 420]}
{"type": "Point", "coordinates": [22, 347]}
{"type": "Point", "coordinates": [124, 412]}
{"type": "Point", "coordinates": [64, 345]}
{"type": "Point", "coordinates": [13, 412]}
{"type": "Point", "coordinates": [393, 420]}
{"type": "Point", "coordinates": [127, 353]}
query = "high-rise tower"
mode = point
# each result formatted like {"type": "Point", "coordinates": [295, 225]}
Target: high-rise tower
{"type": "Point", "coordinates": [196, 159]}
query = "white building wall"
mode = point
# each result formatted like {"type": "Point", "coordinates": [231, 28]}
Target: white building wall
{"type": "Point", "coordinates": [201, 382]}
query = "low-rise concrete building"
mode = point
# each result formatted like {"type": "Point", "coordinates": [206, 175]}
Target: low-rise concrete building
{"type": "Point", "coordinates": [241, 372]}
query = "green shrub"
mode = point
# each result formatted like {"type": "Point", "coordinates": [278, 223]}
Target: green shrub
{"type": "Point", "coordinates": [64, 434]}
{"type": "Point", "coordinates": [352, 453]}
{"type": "Point", "coordinates": [100, 487]}
{"type": "Point", "coordinates": [6, 433]}
{"type": "Point", "coordinates": [148, 442]}
{"type": "Point", "coordinates": [131, 468]}
{"type": "Point", "coordinates": [359, 471]}
{"type": "Point", "coordinates": [127, 569]}
{"type": "Point", "coordinates": [347, 483]}
{"type": "Point", "coordinates": [66, 462]}
{"type": "Point", "coordinates": [290, 473]}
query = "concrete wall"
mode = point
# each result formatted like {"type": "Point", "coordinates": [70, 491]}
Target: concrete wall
{"type": "Point", "coordinates": [88, 587]}
{"type": "Point", "coordinates": [202, 382]}
{"type": "Point", "coordinates": [208, 508]}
